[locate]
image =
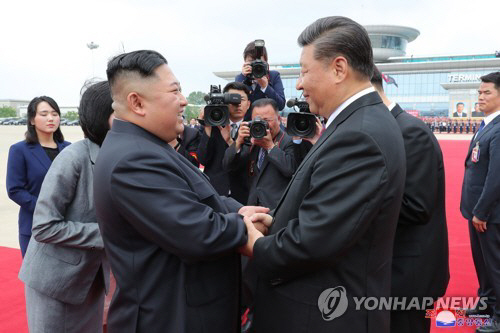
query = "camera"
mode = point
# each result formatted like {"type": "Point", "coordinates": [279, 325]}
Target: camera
{"type": "Point", "coordinates": [260, 68]}
{"type": "Point", "coordinates": [258, 128]}
{"type": "Point", "coordinates": [301, 123]}
{"type": "Point", "coordinates": [217, 110]}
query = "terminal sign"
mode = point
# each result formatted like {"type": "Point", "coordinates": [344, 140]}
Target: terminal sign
{"type": "Point", "coordinates": [455, 78]}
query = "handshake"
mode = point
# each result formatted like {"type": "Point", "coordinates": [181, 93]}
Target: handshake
{"type": "Point", "coordinates": [257, 222]}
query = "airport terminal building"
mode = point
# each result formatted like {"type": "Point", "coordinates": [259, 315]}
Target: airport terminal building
{"type": "Point", "coordinates": [423, 86]}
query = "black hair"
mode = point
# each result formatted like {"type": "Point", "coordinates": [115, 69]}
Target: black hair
{"type": "Point", "coordinates": [334, 36]}
{"type": "Point", "coordinates": [460, 103]}
{"type": "Point", "coordinates": [377, 79]}
{"type": "Point", "coordinates": [95, 110]}
{"type": "Point", "coordinates": [492, 78]}
{"type": "Point", "coordinates": [265, 102]}
{"type": "Point", "coordinates": [30, 135]}
{"type": "Point", "coordinates": [237, 86]}
{"type": "Point", "coordinates": [252, 52]}
{"type": "Point", "coordinates": [143, 62]}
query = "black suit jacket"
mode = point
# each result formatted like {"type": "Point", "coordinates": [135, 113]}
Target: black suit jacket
{"type": "Point", "coordinates": [334, 226]}
{"type": "Point", "coordinates": [461, 114]}
{"type": "Point", "coordinates": [420, 264]}
{"type": "Point", "coordinates": [210, 154]}
{"type": "Point", "coordinates": [481, 186]}
{"type": "Point", "coordinates": [266, 185]}
{"type": "Point", "coordinates": [170, 238]}
{"type": "Point", "coordinates": [189, 144]}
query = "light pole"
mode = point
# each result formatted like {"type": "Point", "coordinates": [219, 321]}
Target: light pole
{"type": "Point", "coordinates": [92, 46]}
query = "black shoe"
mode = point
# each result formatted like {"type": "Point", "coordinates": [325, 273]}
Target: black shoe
{"type": "Point", "coordinates": [476, 311]}
{"type": "Point", "coordinates": [493, 328]}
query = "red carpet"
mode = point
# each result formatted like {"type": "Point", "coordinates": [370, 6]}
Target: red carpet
{"type": "Point", "coordinates": [12, 307]}
{"type": "Point", "coordinates": [463, 278]}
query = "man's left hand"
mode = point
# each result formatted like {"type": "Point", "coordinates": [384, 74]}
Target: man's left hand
{"type": "Point", "coordinates": [479, 225]}
{"type": "Point", "coordinates": [226, 134]}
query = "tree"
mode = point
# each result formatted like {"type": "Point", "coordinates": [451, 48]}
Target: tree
{"type": "Point", "coordinates": [7, 112]}
{"type": "Point", "coordinates": [196, 101]}
{"type": "Point", "coordinates": [196, 98]}
{"type": "Point", "coordinates": [71, 115]}
{"type": "Point", "coordinates": [191, 111]}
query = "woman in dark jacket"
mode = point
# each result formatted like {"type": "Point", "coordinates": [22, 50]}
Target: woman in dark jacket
{"type": "Point", "coordinates": [30, 159]}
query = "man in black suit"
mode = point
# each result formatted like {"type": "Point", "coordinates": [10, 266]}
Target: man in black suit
{"type": "Point", "coordinates": [481, 198]}
{"type": "Point", "coordinates": [270, 160]}
{"type": "Point", "coordinates": [171, 240]}
{"type": "Point", "coordinates": [333, 229]}
{"type": "Point", "coordinates": [187, 144]}
{"type": "Point", "coordinates": [214, 142]}
{"type": "Point", "coordinates": [460, 110]}
{"type": "Point", "coordinates": [420, 265]}
{"type": "Point", "coordinates": [477, 112]}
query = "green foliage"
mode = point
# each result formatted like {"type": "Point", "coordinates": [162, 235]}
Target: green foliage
{"type": "Point", "coordinates": [191, 112]}
{"type": "Point", "coordinates": [196, 98]}
{"type": "Point", "coordinates": [7, 112]}
{"type": "Point", "coordinates": [71, 115]}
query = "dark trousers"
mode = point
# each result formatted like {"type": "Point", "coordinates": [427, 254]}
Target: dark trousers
{"type": "Point", "coordinates": [24, 240]}
{"type": "Point", "coordinates": [486, 254]}
{"type": "Point", "coordinates": [412, 321]}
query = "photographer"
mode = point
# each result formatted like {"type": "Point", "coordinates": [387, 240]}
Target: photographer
{"type": "Point", "coordinates": [267, 86]}
{"type": "Point", "coordinates": [215, 140]}
{"type": "Point", "coordinates": [270, 160]}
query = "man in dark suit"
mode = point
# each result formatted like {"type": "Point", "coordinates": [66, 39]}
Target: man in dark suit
{"type": "Point", "coordinates": [270, 160]}
{"type": "Point", "coordinates": [460, 110]}
{"type": "Point", "coordinates": [171, 240]}
{"type": "Point", "coordinates": [187, 144]}
{"type": "Point", "coordinates": [477, 112]}
{"type": "Point", "coordinates": [481, 197]}
{"type": "Point", "coordinates": [268, 86]}
{"type": "Point", "coordinates": [213, 144]}
{"type": "Point", "coordinates": [333, 229]}
{"type": "Point", "coordinates": [420, 266]}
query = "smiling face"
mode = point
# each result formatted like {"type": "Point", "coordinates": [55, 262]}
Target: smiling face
{"type": "Point", "coordinates": [161, 103]}
{"type": "Point", "coordinates": [46, 119]}
{"type": "Point", "coordinates": [318, 82]}
{"type": "Point", "coordinates": [489, 98]}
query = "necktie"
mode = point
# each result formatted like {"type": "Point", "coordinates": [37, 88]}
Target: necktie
{"type": "Point", "coordinates": [262, 155]}
{"type": "Point", "coordinates": [481, 127]}
{"type": "Point", "coordinates": [234, 131]}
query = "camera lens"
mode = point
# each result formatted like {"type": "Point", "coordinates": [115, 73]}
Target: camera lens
{"type": "Point", "coordinates": [216, 115]}
{"type": "Point", "coordinates": [301, 124]}
{"type": "Point", "coordinates": [259, 70]}
{"type": "Point", "coordinates": [258, 131]}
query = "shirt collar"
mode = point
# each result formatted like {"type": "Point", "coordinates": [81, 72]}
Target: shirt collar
{"type": "Point", "coordinates": [237, 123]}
{"type": "Point", "coordinates": [391, 106]}
{"type": "Point", "coordinates": [347, 103]}
{"type": "Point", "coordinates": [489, 119]}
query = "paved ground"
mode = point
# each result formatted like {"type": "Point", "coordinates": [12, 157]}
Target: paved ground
{"type": "Point", "coordinates": [9, 210]}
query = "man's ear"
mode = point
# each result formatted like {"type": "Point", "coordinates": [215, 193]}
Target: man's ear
{"type": "Point", "coordinates": [339, 67]}
{"type": "Point", "coordinates": [136, 103]}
